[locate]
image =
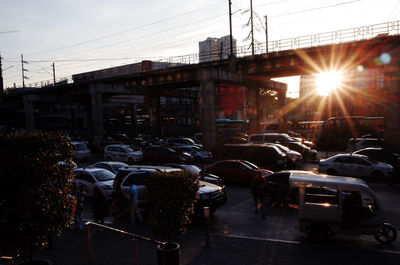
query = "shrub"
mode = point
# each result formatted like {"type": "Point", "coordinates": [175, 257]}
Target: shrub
{"type": "Point", "coordinates": [35, 192]}
{"type": "Point", "coordinates": [173, 195]}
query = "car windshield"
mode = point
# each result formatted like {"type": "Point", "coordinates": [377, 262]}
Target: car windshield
{"type": "Point", "coordinates": [283, 148]}
{"type": "Point", "coordinates": [117, 166]}
{"type": "Point", "coordinates": [250, 165]}
{"type": "Point", "coordinates": [80, 146]}
{"type": "Point", "coordinates": [128, 149]}
{"type": "Point", "coordinates": [103, 175]}
{"type": "Point", "coordinates": [373, 161]}
{"type": "Point", "coordinates": [193, 169]}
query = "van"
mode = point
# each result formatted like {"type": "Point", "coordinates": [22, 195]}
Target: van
{"type": "Point", "coordinates": [260, 154]}
{"type": "Point", "coordinates": [360, 143]}
{"type": "Point", "coordinates": [81, 151]}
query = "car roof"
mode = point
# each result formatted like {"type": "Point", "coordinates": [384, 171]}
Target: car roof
{"type": "Point", "coordinates": [310, 179]}
{"type": "Point", "coordinates": [89, 169]}
{"type": "Point", "coordinates": [118, 145]}
{"type": "Point", "coordinates": [150, 168]}
{"type": "Point", "coordinates": [111, 162]}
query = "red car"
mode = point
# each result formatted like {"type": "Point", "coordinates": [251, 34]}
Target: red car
{"type": "Point", "coordinates": [235, 171]}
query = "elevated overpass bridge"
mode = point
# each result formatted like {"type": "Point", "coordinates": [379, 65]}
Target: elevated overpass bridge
{"type": "Point", "coordinates": [251, 71]}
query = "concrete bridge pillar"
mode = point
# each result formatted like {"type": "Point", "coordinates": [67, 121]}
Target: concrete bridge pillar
{"type": "Point", "coordinates": [96, 100]}
{"type": "Point", "coordinates": [253, 109]}
{"type": "Point", "coordinates": [29, 112]}
{"type": "Point", "coordinates": [207, 107]}
{"type": "Point", "coordinates": [155, 115]}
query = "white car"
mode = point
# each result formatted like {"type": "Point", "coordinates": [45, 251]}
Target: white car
{"type": "Point", "coordinates": [92, 178]}
{"type": "Point", "coordinates": [353, 165]}
{"type": "Point", "coordinates": [81, 151]}
{"type": "Point", "coordinates": [120, 152]}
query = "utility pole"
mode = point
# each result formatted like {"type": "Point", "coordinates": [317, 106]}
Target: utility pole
{"type": "Point", "coordinates": [252, 30]}
{"type": "Point", "coordinates": [23, 76]}
{"type": "Point", "coordinates": [54, 75]}
{"type": "Point", "coordinates": [230, 26]}
{"type": "Point", "coordinates": [1, 78]}
{"type": "Point", "coordinates": [266, 35]}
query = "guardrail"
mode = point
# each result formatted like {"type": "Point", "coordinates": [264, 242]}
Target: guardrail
{"type": "Point", "coordinates": [89, 226]}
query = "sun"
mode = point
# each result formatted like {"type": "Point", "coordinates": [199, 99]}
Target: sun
{"type": "Point", "coordinates": [328, 81]}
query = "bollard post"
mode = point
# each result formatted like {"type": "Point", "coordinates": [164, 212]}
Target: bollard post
{"type": "Point", "coordinates": [207, 222]}
{"type": "Point", "coordinates": [90, 256]}
{"type": "Point", "coordinates": [137, 251]}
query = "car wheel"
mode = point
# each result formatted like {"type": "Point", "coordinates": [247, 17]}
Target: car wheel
{"type": "Point", "coordinates": [387, 234]}
{"type": "Point", "coordinates": [318, 232]}
{"type": "Point", "coordinates": [331, 172]}
{"type": "Point", "coordinates": [377, 175]}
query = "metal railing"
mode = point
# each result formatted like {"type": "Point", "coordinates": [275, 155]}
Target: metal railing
{"type": "Point", "coordinates": [89, 226]}
{"type": "Point", "coordinates": [308, 41]}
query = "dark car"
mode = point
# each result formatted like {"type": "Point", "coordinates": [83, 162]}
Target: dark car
{"type": "Point", "coordinates": [383, 155]}
{"type": "Point", "coordinates": [159, 154]}
{"type": "Point", "coordinates": [305, 151]}
{"type": "Point", "coordinates": [235, 171]}
{"type": "Point", "coordinates": [265, 155]}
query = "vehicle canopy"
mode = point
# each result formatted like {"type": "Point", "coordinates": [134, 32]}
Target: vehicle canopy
{"type": "Point", "coordinates": [304, 179]}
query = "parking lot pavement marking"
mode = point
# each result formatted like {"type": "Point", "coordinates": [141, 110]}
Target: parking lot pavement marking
{"type": "Point", "coordinates": [258, 238]}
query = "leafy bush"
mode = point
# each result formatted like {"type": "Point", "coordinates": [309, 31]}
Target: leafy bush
{"type": "Point", "coordinates": [35, 192]}
{"type": "Point", "coordinates": [172, 195]}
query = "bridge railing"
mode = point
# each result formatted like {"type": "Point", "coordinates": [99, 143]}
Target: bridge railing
{"type": "Point", "coordinates": [315, 40]}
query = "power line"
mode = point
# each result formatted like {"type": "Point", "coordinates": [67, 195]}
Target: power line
{"type": "Point", "coordinates": [316, 8]}
{"type": "Point", "coordinates": [124, 31]}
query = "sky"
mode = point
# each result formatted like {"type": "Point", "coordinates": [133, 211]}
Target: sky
{"type": "Point", "coordinates": [86, 35]}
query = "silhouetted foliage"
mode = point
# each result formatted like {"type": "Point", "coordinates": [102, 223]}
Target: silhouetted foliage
{"type": "Point", "coordinates": [35, 193]}
{"type": "Point", "coordinates": [173, 195]}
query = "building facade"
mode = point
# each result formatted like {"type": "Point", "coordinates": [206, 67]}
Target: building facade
{"type": "Point", "coordinates": [213, 49]}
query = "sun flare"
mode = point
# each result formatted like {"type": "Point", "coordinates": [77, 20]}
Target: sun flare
{"type": "Point", "coordinates": [328, 81]}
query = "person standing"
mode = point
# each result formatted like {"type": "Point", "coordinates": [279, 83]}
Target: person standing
{"type": "Point", "coordinates": [134, 207]}
{"type": "Point", "coordinates": [98, 206]}
{"type": "Point", "coordinates": [257, 186]}
{"type": "Point", "coordinates": [80, 198]}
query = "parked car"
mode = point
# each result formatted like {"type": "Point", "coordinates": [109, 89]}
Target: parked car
{"type": "Point", "coordinates": [286, 140]}
{"type": "Point", "coordinates": [159, 154]}
{"type": "Point", "coordinates": [293, 157]}
{"type": "Point", "coordinates": [305, 151]}
{"type": "Point", "coordinates": [81, 151]}
{"type": "Point", "coordinates": [281, 138]}
{"type": "Point", "coordinates": [181, 141]}
{"type": "Point", "coordinates": [120, 152]}
{"type": "Point", "coordinates": [359, 143]}
{"type": "Point", "coordinates": [383, 155]}
{"type": "Point", "coordinates": [354, 165]}
{"type": "Point", "coordinates": [92, 178]}
{"type": "Point", "coordinates": [235, 171]}
{"type": "Point", "coordinates": [112, 166]}
{"type": "Point", "coordinates": [214, 179]}
{"type": "Point", "coordinates": [197, 153]}
{"type": "Point", "coordinates": [265, 155]}
{"type": "Point", "coordinates": [209, 194]}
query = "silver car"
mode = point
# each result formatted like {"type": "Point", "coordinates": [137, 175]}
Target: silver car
{"type": "Point", "coordinates": [353, 165]}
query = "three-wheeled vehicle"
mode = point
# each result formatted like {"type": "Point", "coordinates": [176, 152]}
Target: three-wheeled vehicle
{"type": "Point", "coordinates": [330, 205]}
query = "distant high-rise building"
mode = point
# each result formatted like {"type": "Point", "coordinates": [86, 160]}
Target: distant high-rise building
{"type": "Point", "coordinates": [213, 49]}
{"type": "Point", "coordinates": [307, 92]}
